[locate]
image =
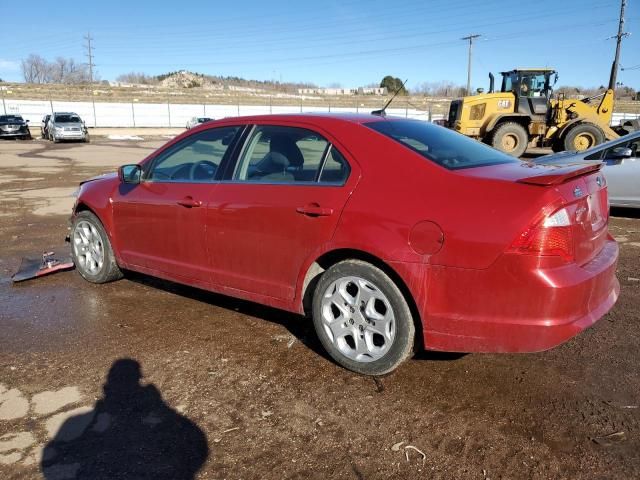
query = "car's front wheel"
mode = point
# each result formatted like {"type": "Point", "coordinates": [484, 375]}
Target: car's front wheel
{"type": "Point", "coordinates": [362, 318]}
{"type": "Point", "coordinates": [91, 250]}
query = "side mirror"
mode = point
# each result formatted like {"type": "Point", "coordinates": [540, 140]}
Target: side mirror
{"type": "Point", "coordinates": [27, 121]}
{"type": "Point", "coordinates": [130, 174]}
{"type": "Point", "coordinates": [619, 153]}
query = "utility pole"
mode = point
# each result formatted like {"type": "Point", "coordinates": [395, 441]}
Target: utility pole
{"type": "Point", "coordinates": [89, 56]}
{"type": "Point", "coordinates": [618, 37]}
{"type": "Point", "coordinates": [470, 38]}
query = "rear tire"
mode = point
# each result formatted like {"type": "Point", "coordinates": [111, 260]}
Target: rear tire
{"type": "Point", "coordinates": [91, 250]}
{"type": "Point", "coordinates": [362, 318]}
{"type": "Point", "coordinates": [582, 136]}
{"type": "Point", "coordinates": [510, 138]}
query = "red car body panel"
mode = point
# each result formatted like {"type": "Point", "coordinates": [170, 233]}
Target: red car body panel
{"type": "Point", "coordinates": [447, 235]}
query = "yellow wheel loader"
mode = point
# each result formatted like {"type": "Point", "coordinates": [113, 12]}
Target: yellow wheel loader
{"type": "Point", "coordinates": [525, 113]}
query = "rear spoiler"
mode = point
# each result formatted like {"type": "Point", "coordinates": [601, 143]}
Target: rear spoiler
{"type": "Point", "coordinates": [561, 174]}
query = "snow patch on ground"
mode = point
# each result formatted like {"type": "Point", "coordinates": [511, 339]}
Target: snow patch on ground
{"type": "Point", "coordinates": [124, 137]}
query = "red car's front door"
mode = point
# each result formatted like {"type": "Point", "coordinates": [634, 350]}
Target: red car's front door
{"type": "Point", "coordinates": [283, 201]}
{"type": "Point", "coordinates": [160, 223]}
{"type": "Point", "coordinates": [160, 226]}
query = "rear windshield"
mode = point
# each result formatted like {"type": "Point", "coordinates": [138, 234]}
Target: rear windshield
{"type": "Point", "coordinates": [67, 119]}
{"type": "Point", "coordinates": [440, 145]}
{"type": "Point", "coordinates": [10, 118]}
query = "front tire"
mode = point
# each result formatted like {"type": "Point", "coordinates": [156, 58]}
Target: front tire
{"type": "Point", "coordinates": [510, 138]}
{"type": "Point", "coordinates": [362, 318]}
{"type": "Point", "coordinates": [91, 250]}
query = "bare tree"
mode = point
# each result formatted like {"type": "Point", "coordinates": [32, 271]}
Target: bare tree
{"type": "Point", "coordinates": [137, 77]}
{"type": "Point", "coordinates": [440, 89]}
{"type": "Point", "coordinates": [36, 69]}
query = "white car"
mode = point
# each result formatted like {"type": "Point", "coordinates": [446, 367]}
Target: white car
{"type": "Point", "coordinates": [621, 158]}
{"type": "Point", "coordinates": [194, 121]}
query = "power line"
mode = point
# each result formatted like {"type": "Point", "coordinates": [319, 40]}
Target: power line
{"type": "Point", "coordinates": [89, 55]}
{"type": "Point", "coordinates": [405, 49]}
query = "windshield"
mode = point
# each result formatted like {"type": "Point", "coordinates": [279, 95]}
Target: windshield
{"type": "Point", "coordinates": [67, 119]}
{"type": "Point", "coordinates": [10, 118]}
{"type": "Point", "coordinates": [440, 145]}
{"type": "Point", "coordinates": [203, 119]}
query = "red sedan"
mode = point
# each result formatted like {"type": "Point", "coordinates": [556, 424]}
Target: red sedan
{"type": "Point", "coordinates": [391, 233]}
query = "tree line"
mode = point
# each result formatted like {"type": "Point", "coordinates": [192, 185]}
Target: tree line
{"type": "Point", "coordinates": [36, 69]}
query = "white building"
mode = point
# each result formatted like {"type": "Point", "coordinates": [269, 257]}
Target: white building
{"type": "Point", "coordinates": [343, 91]}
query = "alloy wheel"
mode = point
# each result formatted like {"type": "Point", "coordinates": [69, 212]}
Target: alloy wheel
{"type": "Point", "coordinates": [88, 247]}
{"type": "Point", "coordinates": [358, 319]}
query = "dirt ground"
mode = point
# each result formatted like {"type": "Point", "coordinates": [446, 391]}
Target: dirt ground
{"type": "Point", "coordinates": [230, 389]}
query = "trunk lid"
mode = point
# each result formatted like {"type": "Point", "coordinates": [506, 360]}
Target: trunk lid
{"type": "Point", "coordinates": [583, 192]}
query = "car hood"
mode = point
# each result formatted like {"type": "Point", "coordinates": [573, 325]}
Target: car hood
{"type": "Point", "coordinates": [13, 122]}
{"type": "Point", "coordinates": [104, 176]}
{"type": "Point", "coordinates": [65, 125]}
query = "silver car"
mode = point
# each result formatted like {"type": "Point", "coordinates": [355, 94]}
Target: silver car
{"type": "Point", "coordinates": [621, 169]}
{"type": "Point", "coordinates": [195, 121]}
{"type": "Point", "coordinates": [67, 126]}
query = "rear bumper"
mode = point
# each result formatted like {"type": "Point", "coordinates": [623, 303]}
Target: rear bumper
{"type": "Point", "coordinates": [22, 133]}
{"type": "Point", "coordinates": [517, 306]}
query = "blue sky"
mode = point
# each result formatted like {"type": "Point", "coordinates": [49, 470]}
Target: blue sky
{"type": "Point", "coordinates": [350, 42]}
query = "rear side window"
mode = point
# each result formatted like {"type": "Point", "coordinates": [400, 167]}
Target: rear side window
{"type": "Point", "coordinates": [440, 145]}
{"type": "Point", "coordinates": [277, 154]}
{"type": "Point", "coordinates": [335, 169]}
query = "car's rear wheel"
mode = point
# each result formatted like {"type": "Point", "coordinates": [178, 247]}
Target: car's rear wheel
{"type": "Point", "coordinates": [362, 318]}
{"type": "Point", "coordinates": [91, 250]}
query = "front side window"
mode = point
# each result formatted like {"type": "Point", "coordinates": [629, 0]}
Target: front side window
{"type": "Point", "coordinates": [440, 145]}
{"type": "Point", "coordinates": [195, 159]}
{"type": "Point", "coordinates": [276, 154]}
{"type": "Point", "coordinates": [634, 145]}
{"type": "Point", "coordinates": [607, 153]}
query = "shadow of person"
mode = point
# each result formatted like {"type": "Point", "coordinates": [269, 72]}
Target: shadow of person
{"type": "Point", "coordinates": [131, 433]}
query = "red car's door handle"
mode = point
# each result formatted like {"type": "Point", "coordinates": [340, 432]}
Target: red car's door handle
{"type": "Point", "coordinates": [314, 210]}
{"type": "Point", "coordinates": [189, 202]}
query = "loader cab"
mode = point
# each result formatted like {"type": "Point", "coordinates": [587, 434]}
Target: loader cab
{"type": "Point", "coordinates": [532, 89]}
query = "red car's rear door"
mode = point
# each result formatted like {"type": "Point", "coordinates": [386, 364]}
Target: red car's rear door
{"type": "Point", "coordinates": [281, 203]}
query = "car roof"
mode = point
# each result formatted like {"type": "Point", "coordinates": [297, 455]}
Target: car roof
{"type": "Point", "coordinates": [357, 118]}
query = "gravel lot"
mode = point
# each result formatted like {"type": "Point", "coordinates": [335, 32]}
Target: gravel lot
{"type": "Point", "coordinates": [232, 390]}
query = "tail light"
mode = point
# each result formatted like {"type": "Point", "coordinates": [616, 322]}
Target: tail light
{"type": "Point", "coordinates": [552, 236]}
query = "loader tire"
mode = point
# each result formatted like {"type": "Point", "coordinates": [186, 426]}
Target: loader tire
{"type": "Point", "coordinates": [510, 138]}
{"type": "Point", "coordinates": [582, 136]}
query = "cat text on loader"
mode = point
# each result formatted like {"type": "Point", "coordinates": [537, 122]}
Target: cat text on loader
{"type": "Point", "coordinates": [525, 113]}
